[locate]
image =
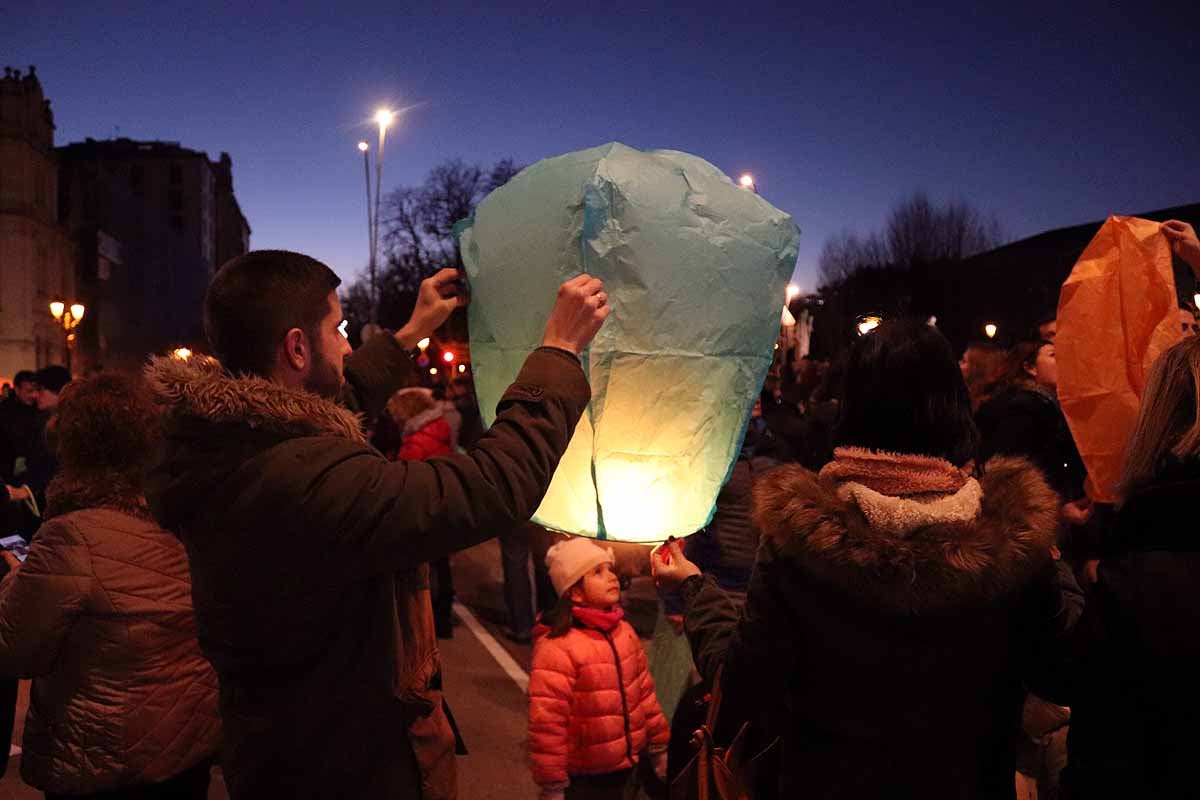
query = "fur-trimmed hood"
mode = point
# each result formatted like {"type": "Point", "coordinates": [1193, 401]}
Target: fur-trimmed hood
{"type": "Point", "coordinates": [204, 390]}
{"type": "Point", "coordinates": [937, 566]}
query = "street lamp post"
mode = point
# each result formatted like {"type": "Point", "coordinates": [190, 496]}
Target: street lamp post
{"type": "Point", "coordinates": [69, 318]}
{"type": "Point", "coordinates": [364, 148]}
{"type": "Point", "coordinates": [384, 118]}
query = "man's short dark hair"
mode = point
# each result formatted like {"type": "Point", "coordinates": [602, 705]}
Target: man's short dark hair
{"type": "Point", "coordinates": [53, 378]}
{"type": "Point", "coordinates": [25, 376]}
{"type": "Point", "coordinates": [256, 298]}
{"type": "Point", "coordinates": [904, 393]}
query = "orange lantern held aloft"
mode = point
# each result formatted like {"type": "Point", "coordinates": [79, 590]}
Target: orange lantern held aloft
{"type": "Point", "coordinates": [1117, 313]}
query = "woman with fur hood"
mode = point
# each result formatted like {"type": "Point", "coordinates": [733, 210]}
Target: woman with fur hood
{"type": "Point", "coordinates": [900, 601]}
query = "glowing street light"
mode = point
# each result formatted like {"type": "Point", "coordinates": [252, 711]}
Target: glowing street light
{"type": "Point", "coordinates": [462, 368]}
{"type": "Point", "coordinates": [793, 291]}
{"type": "Point", "coordinates": [384, 117]}
{"type": "Point", "coordinates": [448, 357]}
{"type": "Point", "coordinates": [990, 329]}
{"type": "Point", "coordinates": [747, 181]}
{"type": "Point", "coordinates": [421, 345]}
{"type": "Point", "coordinates": [433, 370]}
{"type": "Point", "coordinates": [68, 317]}
{"type": "Point", "coordinates": [363, 147]}
{"type": "Point", "coordinates": [868, 324]}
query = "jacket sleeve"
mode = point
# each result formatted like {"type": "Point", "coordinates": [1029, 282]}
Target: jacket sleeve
{"type": "Point", "coordinates": [1065, 628]}
{"type": "Point", "coordinates": [758, 649]}
{"type": "Point", "coordinates": [551, 691]}
{"type": "Point", "coordinates": [374, 372]}
{"type": "Point", "coordinates": [40, 601]}
{"type": "Point", "coordinates": [384, 516]}
{"type": "Point", "coordinates": [658, 732]}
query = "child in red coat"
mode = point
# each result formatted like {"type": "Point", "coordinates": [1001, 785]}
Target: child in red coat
{"type": "Point", "coordinates": [592, 708]}
{"type": "Point", "coordinates": [429, 428]}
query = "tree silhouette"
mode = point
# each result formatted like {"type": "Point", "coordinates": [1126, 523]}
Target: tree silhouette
{"type": "Point", "coordinates": [418, 237]}
{"type": "Point", "coordinates": [917, 232]}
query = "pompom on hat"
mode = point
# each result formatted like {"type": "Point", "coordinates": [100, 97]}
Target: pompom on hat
{"type": "Point", "coordinates": [570, 560]}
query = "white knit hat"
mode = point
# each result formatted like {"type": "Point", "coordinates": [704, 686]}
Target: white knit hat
{"type": "Point", "coordinates": [570, 560]}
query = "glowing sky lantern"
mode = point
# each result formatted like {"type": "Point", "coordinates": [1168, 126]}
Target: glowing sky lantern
{"type": "Point", "coordinates": [694, 267]}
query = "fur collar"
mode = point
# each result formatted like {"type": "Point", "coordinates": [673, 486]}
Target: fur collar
{"type": "Point", "coordinates": [939, 564]}
{"type": "Point", "coordinates": [206, 391]}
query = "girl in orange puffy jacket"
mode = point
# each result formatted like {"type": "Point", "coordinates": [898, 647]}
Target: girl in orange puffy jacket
{"type": "Point", "coordinates": [592, 708]}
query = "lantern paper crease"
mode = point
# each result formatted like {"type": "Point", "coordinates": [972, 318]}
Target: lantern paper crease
{"type": "Point", "coordinates": [695, 268]}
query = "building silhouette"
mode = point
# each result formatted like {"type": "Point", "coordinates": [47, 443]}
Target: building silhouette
{"type": "Point", "coordinates": [154, 221]}
{"type": "Point", "coordinates": [37, 254]}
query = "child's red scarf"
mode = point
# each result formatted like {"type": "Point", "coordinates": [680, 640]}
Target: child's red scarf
{"type": "Point", "coordinates": [598, 618]}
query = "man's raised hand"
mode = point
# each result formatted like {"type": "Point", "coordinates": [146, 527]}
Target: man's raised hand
{"type": "Point", "coordinates": [579, 312]}
{"type": "Point", "coordinates": [438, 296]}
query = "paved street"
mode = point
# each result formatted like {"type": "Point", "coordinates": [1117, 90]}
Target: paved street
{"type": "Point", "coordinates": [488, 702]}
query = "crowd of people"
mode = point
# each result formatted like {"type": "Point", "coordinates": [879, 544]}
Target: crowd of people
{"type": "Point", "coordinates": [904, 590]}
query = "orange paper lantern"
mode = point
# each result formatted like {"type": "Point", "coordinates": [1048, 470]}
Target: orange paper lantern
{"type": "Point", "coordinates": [1117, 313]}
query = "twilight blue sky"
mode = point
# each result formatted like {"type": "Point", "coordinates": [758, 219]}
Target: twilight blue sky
{"type": "Point", "coordinates": [1046, 113]}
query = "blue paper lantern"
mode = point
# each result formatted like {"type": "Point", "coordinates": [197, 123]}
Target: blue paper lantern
{"type": "Point", "coordinates": [696, 270]}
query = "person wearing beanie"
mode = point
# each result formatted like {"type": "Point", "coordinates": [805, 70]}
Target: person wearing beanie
{"type": "Point", "coordinates": [593, 712]}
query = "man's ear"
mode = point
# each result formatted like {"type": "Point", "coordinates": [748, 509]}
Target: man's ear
{"type": "Point", "coordinates": [296, 350]}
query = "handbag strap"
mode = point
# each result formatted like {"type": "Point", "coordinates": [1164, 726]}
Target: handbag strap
{"type": "Point", "coordinates": [714, 702]}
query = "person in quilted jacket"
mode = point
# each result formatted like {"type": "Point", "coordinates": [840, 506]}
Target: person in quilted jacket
{"type": "Point", "coordinates": [593, 712]}
{"type": "Point", "coordinates": [100, 616]}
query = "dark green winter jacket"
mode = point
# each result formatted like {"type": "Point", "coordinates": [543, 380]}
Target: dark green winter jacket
{"type": "Point", "coordinates": [306, 546]}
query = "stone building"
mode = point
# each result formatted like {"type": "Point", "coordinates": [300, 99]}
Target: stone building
{"type": "Point", "coordinates": [154, 220]}
{"type": "Point", "coordinates": [37, 255]}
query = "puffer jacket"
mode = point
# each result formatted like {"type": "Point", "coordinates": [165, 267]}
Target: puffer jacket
{"type": "Point", "coordinates": [100, 616]}
{"type": "Point", "coordinates": [592, 706]}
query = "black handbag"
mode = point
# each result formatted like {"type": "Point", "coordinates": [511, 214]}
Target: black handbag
{"type": "Point", "coordinates": [718, 773]}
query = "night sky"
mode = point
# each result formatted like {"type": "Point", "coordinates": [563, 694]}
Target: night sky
{"type": "Point", "coordinates": [1048, 116]}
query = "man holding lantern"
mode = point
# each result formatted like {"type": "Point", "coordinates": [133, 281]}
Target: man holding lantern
{"type": "Point", "coordinates": [306, 544]}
